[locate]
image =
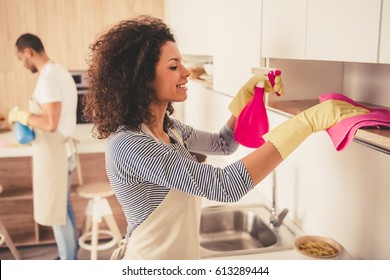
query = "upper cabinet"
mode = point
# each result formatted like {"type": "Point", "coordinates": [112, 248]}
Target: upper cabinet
{"type": "Point", "coordinates": [334, 30]}
{"type": "Point", "coordinates": [284, 28]}
{"type": "Point", "coordinates": [237, 43]}
{"type": "Point", "coordinates": [384, 53]}
{"type": "Point", "coordinates": [192, 24]}
{"type": "Point", "coordinates": [227, 30]}
{"type": "Point", "coordinates": [343, 30]}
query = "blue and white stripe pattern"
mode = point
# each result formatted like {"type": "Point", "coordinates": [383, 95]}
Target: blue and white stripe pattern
{"type": "Point", "coordinates": [142, 170]}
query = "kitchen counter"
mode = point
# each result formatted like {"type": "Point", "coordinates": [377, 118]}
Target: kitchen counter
{"type": "Point", "coordinates": [17, 197]}
{"type": "Point", "coordinates": [9, 148]}
{"type": "Point", "coordinates": [281, 255]}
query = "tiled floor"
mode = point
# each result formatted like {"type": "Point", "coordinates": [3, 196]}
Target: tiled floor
{"type": "Point", "coordinates": [48, 252]}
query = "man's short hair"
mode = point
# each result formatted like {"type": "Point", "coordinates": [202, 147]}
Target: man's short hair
{"type": "Point", "coordinates": [29, 41]}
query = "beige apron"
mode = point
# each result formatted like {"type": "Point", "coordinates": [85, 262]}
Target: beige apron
{"type": "Point", "coordinates": [171, 232]}
{"type": "Point", "coordinates": [50, 175]}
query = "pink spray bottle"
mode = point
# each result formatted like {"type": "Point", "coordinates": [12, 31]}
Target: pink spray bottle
{"type": "Point", "coordinates": [252, 123]}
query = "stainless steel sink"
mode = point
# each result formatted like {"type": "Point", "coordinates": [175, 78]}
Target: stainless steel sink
{"type": "Point", "coordinates": [238, 230]}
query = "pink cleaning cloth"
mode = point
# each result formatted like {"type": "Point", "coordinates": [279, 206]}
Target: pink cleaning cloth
{"type": "Point", "coordinates": [343, 132]}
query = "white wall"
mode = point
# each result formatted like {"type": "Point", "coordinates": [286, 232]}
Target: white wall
{"type": "Point", "coordinates": [368, 82]}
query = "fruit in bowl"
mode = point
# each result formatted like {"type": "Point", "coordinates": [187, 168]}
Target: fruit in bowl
{"type": "Point", "coordinates": [317, 247]}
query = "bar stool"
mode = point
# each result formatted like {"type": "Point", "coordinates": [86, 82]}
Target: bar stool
{"type": "Point", "coordinates": [97, 209]}
{"type": "Point", "coordinates": [6, 238]}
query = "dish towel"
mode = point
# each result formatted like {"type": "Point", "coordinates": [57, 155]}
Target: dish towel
{"type": "Point", "coordinates": [343, 132]}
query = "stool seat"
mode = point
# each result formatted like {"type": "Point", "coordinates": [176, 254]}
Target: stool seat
{"type": "Point", "coordinates": [97, 189]}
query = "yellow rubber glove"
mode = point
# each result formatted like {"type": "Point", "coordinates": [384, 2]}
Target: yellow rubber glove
{"type": "Point", "coordinates": [16, 115]}
{"type": "Point", "coordinates": [278, 87]}
{"type": "Point", "coordinates": [290, 134]}
{"type": "Point", "coordinates": [245, 94]}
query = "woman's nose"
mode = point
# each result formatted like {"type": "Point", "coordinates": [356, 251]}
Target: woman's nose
{"type": "Point", "coordinates": [186, 72]}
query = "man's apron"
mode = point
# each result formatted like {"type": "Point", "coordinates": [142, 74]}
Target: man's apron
{"type": "Point", "coordinates": [50, 175]}
{"type": "Point", "coordinates": [171, 232]}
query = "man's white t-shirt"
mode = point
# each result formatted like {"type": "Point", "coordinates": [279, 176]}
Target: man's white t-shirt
{"type": "Point", "coordinates": [55, 84]}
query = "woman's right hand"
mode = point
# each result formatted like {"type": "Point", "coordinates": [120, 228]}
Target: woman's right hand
{"type": "Point", "coordinates": [326, 114]}
{"type": "Point", "coordinates": [290, 134]}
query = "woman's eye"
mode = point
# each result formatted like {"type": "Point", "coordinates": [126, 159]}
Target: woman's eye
{"type": "Point", "coordinates": [173, 67]}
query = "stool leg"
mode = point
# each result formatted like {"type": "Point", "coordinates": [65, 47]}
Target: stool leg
{"type": "Point", "coordinates": [113, 226]}
{"type": "Point", "coordinates": [96, 219]}
{"type": "Point", "coordinates": [9, 242]}
{"type": "Point", "coordinates": [94, 240]}
{"type": "Point", "coordinates": [86, 224]}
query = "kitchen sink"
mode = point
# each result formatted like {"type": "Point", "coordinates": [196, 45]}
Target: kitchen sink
{"type": "Point", "coordinates": [238, 230]}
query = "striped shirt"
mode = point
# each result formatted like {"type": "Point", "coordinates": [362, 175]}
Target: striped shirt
{"type": "Point", "coordinates": [142, 170]}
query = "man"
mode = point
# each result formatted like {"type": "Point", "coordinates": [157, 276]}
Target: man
{"type": "Point", "coordinates": [52, 115]}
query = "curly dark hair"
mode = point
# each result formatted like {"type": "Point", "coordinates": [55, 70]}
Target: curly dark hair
{"type": "Point", "coordinates": [122, 68]}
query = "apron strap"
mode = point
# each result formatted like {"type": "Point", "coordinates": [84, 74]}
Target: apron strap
{"type": "Point", "coordinates": [71, 151]}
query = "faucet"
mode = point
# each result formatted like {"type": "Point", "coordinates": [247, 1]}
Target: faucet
{"type": "Point", "coordinates": [276, 220]}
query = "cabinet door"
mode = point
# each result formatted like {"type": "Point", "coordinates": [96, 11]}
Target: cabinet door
{"type": "Point", "coordinates": [284, 29]}
{"type": "Point", "coordinates": [205, 109]}
{"type": "Point", "coordinates": [191, 22]}
{"type": "Point", "coordinates": [236, 41]}
{"type": "Point", "coordinates": [384, 52]}
{"type": "Point", "coordinates": [343, 30]}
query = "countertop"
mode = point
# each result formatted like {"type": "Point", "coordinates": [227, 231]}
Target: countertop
{"type": "Point", "coordinates": [83, 133]}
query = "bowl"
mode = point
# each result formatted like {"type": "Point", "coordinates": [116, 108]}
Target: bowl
{"type": "Point", "coordinates": [208, 67]}
{"type": "Point", "coordinates": [317, 247]}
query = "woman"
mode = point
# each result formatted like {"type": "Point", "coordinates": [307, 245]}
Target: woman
{"type": "Point", "coordinates": [136, 72]}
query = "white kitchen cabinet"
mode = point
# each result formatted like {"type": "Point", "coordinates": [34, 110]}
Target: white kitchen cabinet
{"type": "Point", "coordinates": [384, 51]}
{"type": "Point", "coordinates": [191, 22]}
{"type": "Point", "coordinates": [227, 30]}
{"type": "Point", "coordinates": [284, 28]}
{"type": "Point", "coordinates": [204, 108]}
{"type": "Point", "coordinates": [343, 30]}
{"type": "Point", "coordinates": [332, 30]}
{"type": "Point", "coordinates": [237, 43]}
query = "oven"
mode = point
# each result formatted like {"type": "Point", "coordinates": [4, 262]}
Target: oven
{"type": "Point", "coordinates": [82, 87]}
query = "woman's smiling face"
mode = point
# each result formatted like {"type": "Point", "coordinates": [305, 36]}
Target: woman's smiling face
{"type": "Point", "coordinates": [171, 75]}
